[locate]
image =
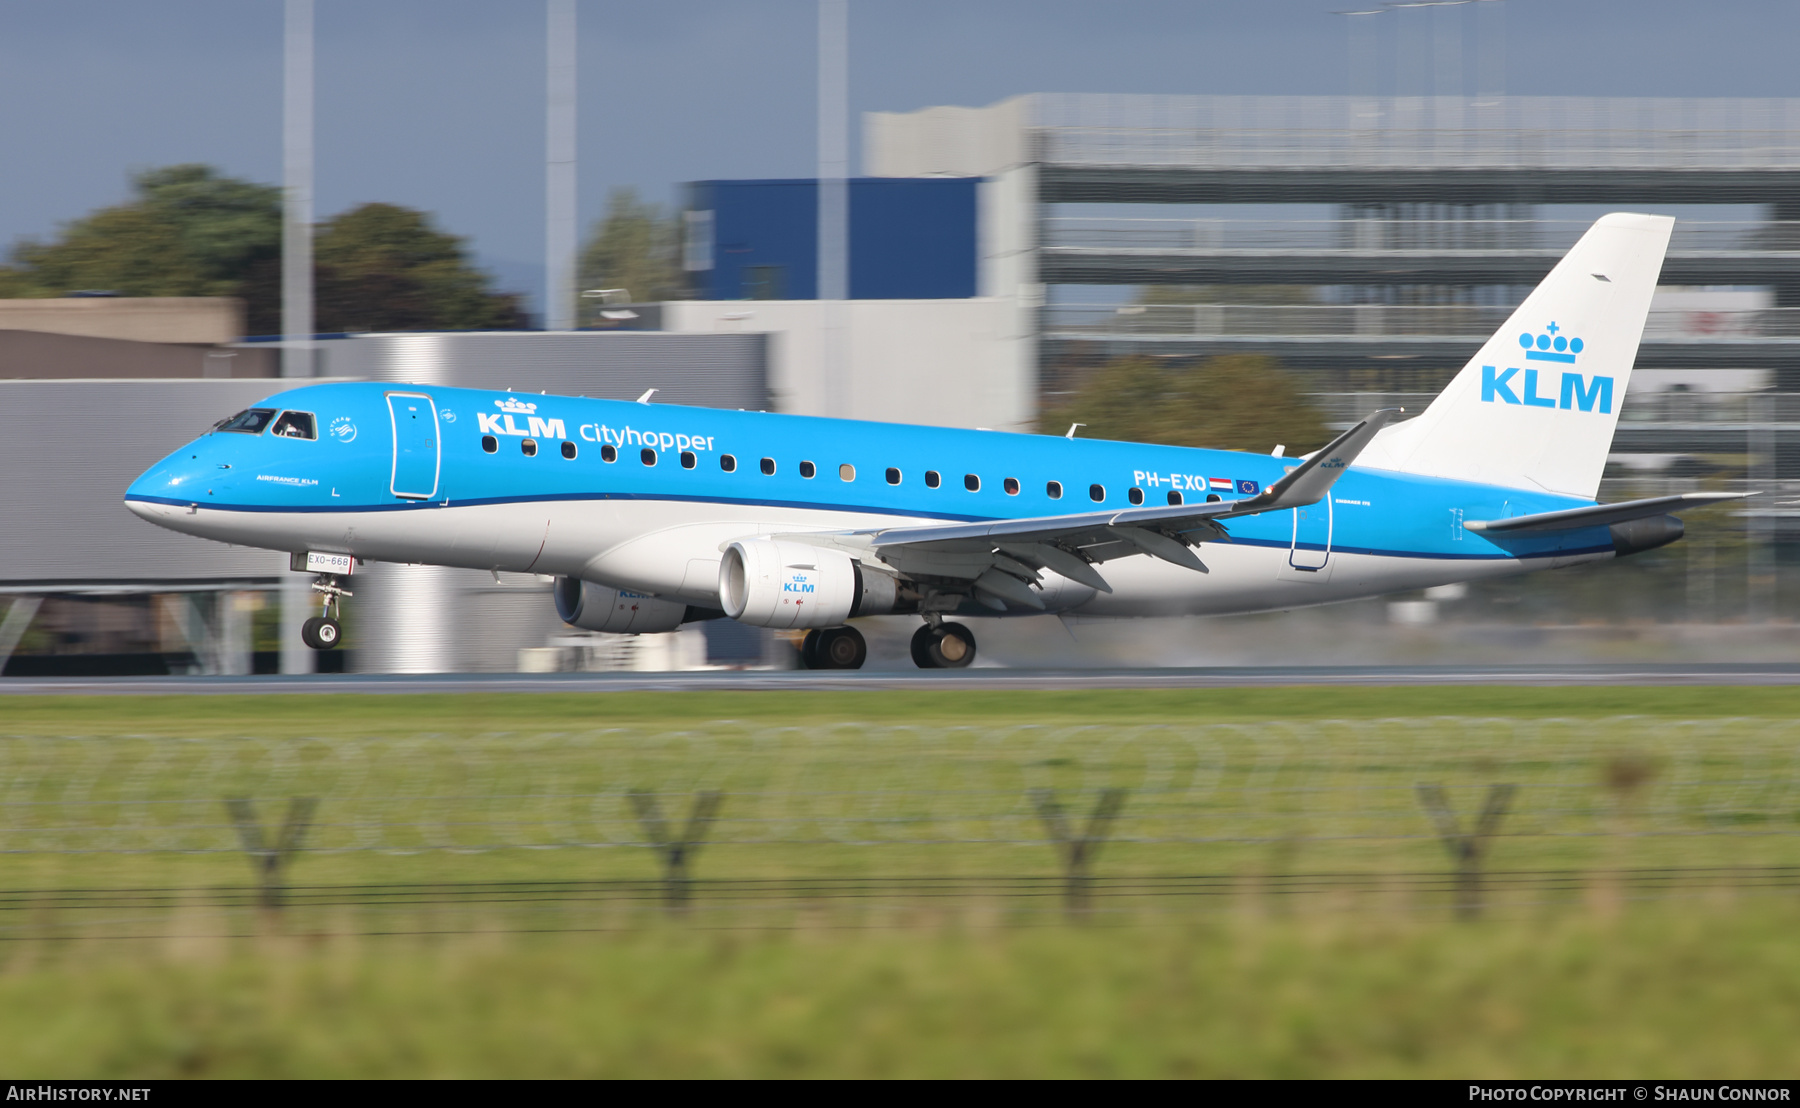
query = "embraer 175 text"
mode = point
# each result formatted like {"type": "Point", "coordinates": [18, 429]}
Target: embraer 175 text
{"type": "Point", "coordinates": [651, 516]}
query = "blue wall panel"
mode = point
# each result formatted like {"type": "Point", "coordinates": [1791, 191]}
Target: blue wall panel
{"type": "Point", "coordinates": [909, 238]}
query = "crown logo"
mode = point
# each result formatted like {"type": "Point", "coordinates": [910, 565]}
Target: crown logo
{"type": "Point", "coordinates": [1549, 346]}
{"type": "Point", "coordinates": [519, 407]}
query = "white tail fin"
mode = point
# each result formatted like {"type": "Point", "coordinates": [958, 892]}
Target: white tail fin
{"type": "Point", "coordinates": [1536, 408]}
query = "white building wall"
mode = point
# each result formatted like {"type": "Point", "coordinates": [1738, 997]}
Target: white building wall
{"type": "Point", "coordinates": [948, 141]}
{"type": "Point", "coordinates": [1007, 218]}
{"type": "Point", "coordinates": [949, 363]}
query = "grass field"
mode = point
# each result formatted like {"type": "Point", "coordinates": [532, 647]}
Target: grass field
{"type": "Point", "coordinates": [117, 793]}
{"type": "Point", "coordinates": [1706, 990]}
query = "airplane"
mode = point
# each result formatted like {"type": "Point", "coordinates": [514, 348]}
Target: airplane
{"type": "Point", "coordinates": [651, 516]}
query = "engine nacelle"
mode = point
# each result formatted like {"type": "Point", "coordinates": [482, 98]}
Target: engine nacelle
{"type": "Point", "coordinates": [594, 607]}
{"type": "Point", "coordinates": [770, 583]}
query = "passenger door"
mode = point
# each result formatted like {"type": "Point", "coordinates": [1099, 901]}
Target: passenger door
{"type": "Point", "coordinates": [416, 445]}
{"type": "Point", "coordinates": [1309, 554]}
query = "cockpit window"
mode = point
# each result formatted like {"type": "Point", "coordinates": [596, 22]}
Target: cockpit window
{"type": "Point", "coordinates": [250, 421]}
{"type": "Point", "coordinates": [295, 425]}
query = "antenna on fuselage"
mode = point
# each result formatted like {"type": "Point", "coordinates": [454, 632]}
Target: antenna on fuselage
{"type": "Point", "coordinates": [1071, 432]}
{"type": "Point", "coordinates": [645, 399]}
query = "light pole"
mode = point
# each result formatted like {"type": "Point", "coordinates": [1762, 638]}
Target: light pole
{"type": "Point", "coordinates": [559, 167]}
{"type": "Point", "coordinates": [1490, 46]}
{"type": "Point", "coordinates": [297, 327]}
{"type": "Point", "coordinates": [1360, 35]}
{"type": "Point", "coordinates": [834, 204]}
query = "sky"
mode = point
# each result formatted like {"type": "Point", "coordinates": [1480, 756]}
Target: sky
{"type": "Point", "coordinates": [438, 104]}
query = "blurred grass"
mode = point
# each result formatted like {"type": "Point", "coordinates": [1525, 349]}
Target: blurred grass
{"type": "Point", "coordinates": [103, 793]}
{"type": "Point", "coordinates": [1371, 984]}
{"type": "Point", "coordinates": [1693, 990]}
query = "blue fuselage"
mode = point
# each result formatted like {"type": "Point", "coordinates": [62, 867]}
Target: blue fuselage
{"type": "Point", "coordinates": [645, 497]}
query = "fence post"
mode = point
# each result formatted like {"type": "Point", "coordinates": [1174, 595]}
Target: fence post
{"type": "Point", "coordinates": [1078, 853]}
{"type": "Point", "coordinates": [269, 859]}
{"type": "Point", "coordinates": [1466, 850]}
{"type": "Point", "coordinates": [675, 854]}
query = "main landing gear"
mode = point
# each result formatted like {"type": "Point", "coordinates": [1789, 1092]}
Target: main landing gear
{"type": "Point", "coordinates": [940, 645]}
{"type": "Point", "coordinates": [323, 631]}
{"type": "Point", "coordinates": [833, 648]}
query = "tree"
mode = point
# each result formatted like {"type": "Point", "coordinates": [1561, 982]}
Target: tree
{"type": "Point", "coordinates": [381, 267]}
{"type": "Point", "coordinates": [188, 232]}
{"type": "Point", "coordinates": [637, 247]}
{"type": "Point", "coordinates": [1232, 402]}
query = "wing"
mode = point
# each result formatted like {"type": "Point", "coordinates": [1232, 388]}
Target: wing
{"type": "Point", "coordinates": [1601, 515]}
{"type": "Point", "coordinates": [1004, 558]}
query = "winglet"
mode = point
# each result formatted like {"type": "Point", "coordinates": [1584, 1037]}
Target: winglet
{"type": "Point", "coordinates": [1313, 478]}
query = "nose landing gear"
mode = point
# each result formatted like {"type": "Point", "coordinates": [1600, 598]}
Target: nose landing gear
{"type": "Point", "coordinates": [941, 645]}
{"type": "Point", "coordinates": [323, 631]}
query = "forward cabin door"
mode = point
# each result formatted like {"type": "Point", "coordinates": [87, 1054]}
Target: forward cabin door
{"type": "Point", "coordinates": [416, 445]}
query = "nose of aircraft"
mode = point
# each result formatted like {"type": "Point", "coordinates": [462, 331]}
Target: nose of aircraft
{"type": "Point", "coordinates": [170, 486]}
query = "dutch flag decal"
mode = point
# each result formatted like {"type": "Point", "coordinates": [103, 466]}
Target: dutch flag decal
{"type": "Point", "coordinates": [1219, 484]}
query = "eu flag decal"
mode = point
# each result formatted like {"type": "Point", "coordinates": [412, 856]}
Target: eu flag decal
{"type": "Point", "coordinates": [1246, 488]}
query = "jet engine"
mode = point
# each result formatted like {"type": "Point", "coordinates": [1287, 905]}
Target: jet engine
{"type": "Point", "coordinates": [594, 607]}
{"type": "Point", "coordinates": [771, 583]}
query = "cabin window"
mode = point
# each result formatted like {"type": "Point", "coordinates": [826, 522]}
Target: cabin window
{"type": "Point", "coordinates": [295, 425]}
{"type": "Point", "coordinates": [768, 467]}
{"type": "Point", "coordinates": [1096, 493]}
{"type": "Point", "coordinates": [1011, 485]}
{"type": "Point", "coordinates": [648, 455]}
{"type": "Point", "coordinates": [846, 472]}
{"type": "Point", "coordinates": [971, 482]}
{"type": "Point", "coordinates": [807, 470]}
{"type": "Point", "coordinates": [528, 447]}
{"type": "Point", "coordinates": [251, 421]}
{"type": "Point", "coordinates": [568, 450]}
{"type": "Point", "coordinates": [1175, 498]}
{"type": "Point", "coordinates": [932, 480]}
{"type": "Point", "coordinates": [728, 463]}
{"type": "Point", "coordinates": [688, 461]}
{"type": "Point", "coordinates": [1213, 498]}
{"type": "Point", "coordinates": [489, 444]}
{"type": "Point", "coordinates": [1053, 489]}
{"type": "Point", "coordinates": [609, 453]}
{"type": "Point", "coordinates": [893, 476]}
{"type": "Point", "coordinates": [1136, 496]}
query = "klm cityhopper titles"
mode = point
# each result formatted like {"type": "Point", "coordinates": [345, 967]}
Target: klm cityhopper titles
{"type": "Point", "coordinates": [651, 516]}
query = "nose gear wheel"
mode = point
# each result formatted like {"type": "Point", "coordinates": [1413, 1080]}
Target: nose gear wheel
{"type": "Point", "coordinates": [321, 633]}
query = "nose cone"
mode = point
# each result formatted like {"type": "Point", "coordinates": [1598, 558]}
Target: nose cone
{"type": "Point", "coordinates": [167, 488]}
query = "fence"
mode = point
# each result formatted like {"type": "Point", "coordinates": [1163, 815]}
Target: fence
{"type": "Point", "coordinates": [1438, 812]}
{"type": "Point", "coordinates": [1469, 322]}
{"type": "Point", "coordinates": [1517, 132]}
{"type": "Point", "coordinates": [1392, 235]}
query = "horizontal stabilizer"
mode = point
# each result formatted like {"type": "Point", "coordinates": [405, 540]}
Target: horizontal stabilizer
{"type": "Point", "coordinates": [1601, 515]}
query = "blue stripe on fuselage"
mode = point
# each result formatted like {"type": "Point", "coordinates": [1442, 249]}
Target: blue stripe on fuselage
{"type": "Point", "coordinates": [349, 468]}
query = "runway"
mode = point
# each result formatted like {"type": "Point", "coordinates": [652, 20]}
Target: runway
{"type": "Point", "coordinates": [972, 679]}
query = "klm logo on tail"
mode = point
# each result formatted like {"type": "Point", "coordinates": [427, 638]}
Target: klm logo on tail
{"type": "Point", "coordinates": [1575, 392]}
